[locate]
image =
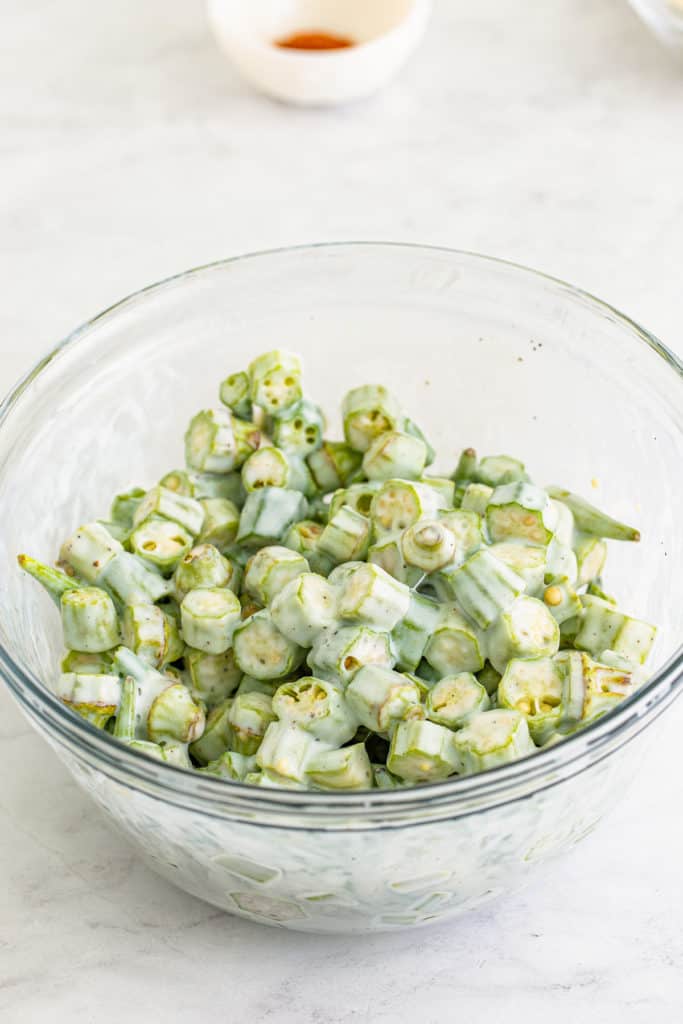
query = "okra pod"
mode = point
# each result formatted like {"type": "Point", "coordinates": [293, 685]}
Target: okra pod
{"type": "Point", "coordinates": [455, 699]}
{"type": "Point", "coordinates": [249, 716]}
{"type": "Point", "coordinates": [234, 393]}
{"type": "Point", "coordinates": [204, 567]}
{"type": "Point", "coordinates": [267, 516]}
{"type": "Point", "coordinates": [485, 587]}
{"type": "Point", "coordinates": [534, 687]}
{"type": "Point", "coordinates": [520, 511]}
{"type": "Point", "coordinates": [601, 627]}
{"type": "Point", "coordinates": [346, 536]}
{"type": "Point", "coordinates": [591, 520]}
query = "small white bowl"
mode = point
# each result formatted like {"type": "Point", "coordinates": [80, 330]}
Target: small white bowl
{"type": "Point", "coordinates": [384, 33]}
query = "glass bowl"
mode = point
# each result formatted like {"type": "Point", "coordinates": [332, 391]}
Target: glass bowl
{"type": "Point", "coordinates": [483, 353]}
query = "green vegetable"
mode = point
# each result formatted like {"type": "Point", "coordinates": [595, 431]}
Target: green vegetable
{"type": "Point", "coordinates": [299, 613]}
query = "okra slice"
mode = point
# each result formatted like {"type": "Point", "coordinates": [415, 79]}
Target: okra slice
{"type": "Point", "coordinates": [166, 504]}
{"type": "Point", "coordinates": [475, 498]}
{"type": "Point", "coordinates": [395, 455]}
{"type": "Point", "coordinates": [422, 751]}
{"type": "Point", "coordinates": [357, 496]}
{"type": "Point", "coordinates": [591, 520]}
{"type": "Point", "coordinates": [234, 393]}
{"type": "Point", "coordinates": [337, 654]}
{"type": "Point", "coordinates": [304, 537]}
{"type": "Point", "coordinates": [286, 751]}
{"type": "Point", "coordinates": [412, 633]}
{"type": "Point", "coordinates": [170, 753]}
{"type": "Point", "coordinates": [249, 716]}
{"type": "Point", "coordinates": [174, 716]}
{"type": "Point", "coordinates": [371, 595]}
{"type": "Point", "coordinates": [299, 429]}
{"type": "Point", "coordinates": [534, 687]}
{"type": "Point", "coordinates": [560, 563]}
{"type": "Point", "coordinates": [219, 485]}
{"type": "Point", "coordinates": [221, 520]}
{"type": "Point", "coordinates": [317, 706]}
{"type": "Point", "coordinates": [346, 536]}
{"type": "Point", "coordinates": [161, 543]}
{"type": "Point", "coordinates": [209, 616]}
{"type": "Point", "coordinates": [428, 545]}
{"type": "Point", "coordinates": [89, 551]}
{"type": "Point", "coordinates": [213, 677]}
{"type": "Point", "coordinates": [527, 560]}
{"type": "Point", "coordinates": [123, 506]}
{"type": "Point", "coordinates": [262, 651]}
{"type": "Point", "coordinates": [591, 553]}
{"type": "Point", "coordinates": [87, 664]}
{"type": "Point", "coordinates": [495, 470]}
{"type": "Point", "coordinates": [591, 689]}
{"type": "Point", "coordinates": [218, 442]}
{"type": "Point", "coordinates": [485, 587]}
{"type": "Point", "coordinates": [400, 503]}
{"type": "Point", "coordinates": [379, 698]}
{"type": "Point", "coordinates": [230, 765]}
{"type": "Point", "coordinates": [443, 486]}
{"type": "Point", "coordinates": [526, 629]}
{"type": "Point", "coordinates": [493, 738]}
{"type": "Point", "coordinates": [346, 768]}
{"type": "Point", "coordinates": [130, 581]}
{"type": "Point", "coordinates": [215, 739]}
{"type": "Point", "coordinates": [89, 619]}
{"type": "Point", "coordinates": [604, 627]}
{"type": "Point", "coordinates": [93, 697]}
{"type": "Point", "coordinates": [520, 511]}
{"type": "Point", "coordinates": [270, 569]}
{"type": "Point", "coordinates": [272, 467]}
{"type": "Point", "coordinates": [151, 634]}
{"type": "Point", "coordinates": [333, 465]}
{"type": "Point", "coordinates": [267, 516]}
{"type": "Point", "coordinates": [454, 645]}
{"type": "Point", "coordinates": [275, 381]}
{"type": "Point", "coordinates": [368, 412]}
{"type": "Point", "coordinates": [204, 567]}
{"type": "Point", "coordinates": [384, 779]}
{"type": "Point", "coordinates": [147, 684]}
{"type": "Point", "coordinates": [455, 699]}
{"type": "Point", "coordinates": [411, 427]}
{"type": "Point", "coordinates": [387, 553]}
{"type": "Point", "coordinates": [562, 601]}
{"type": "Point", "coordinates": [303, 608]}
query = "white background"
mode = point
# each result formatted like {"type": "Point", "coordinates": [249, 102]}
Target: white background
{"type": "Point", "coordinates": [549, 132]}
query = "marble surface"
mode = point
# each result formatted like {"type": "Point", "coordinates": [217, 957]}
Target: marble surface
{"type": "Point", "coordinates": [549, 133]}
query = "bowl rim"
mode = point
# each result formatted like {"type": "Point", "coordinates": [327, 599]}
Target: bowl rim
{"type": "Point", "coordinates": [414, 21]}
{"type": "Point", "coordinates": [457, 794]}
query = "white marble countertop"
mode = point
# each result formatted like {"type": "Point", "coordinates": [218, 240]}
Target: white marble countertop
{"type": "Point", "coordinates": [547, 132]}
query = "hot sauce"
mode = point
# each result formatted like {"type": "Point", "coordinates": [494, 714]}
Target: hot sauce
{"type": "Point", "coordinates": [314, 41]}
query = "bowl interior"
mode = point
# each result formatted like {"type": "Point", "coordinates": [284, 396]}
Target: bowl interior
{"type": "Point", "coordinates": [276, 19]}
{"type": "Point", "coordinates": [480, 352]}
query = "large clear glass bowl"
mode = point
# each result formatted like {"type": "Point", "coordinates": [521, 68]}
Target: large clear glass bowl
{"type": "Point", "coordinates": [482, 353]}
